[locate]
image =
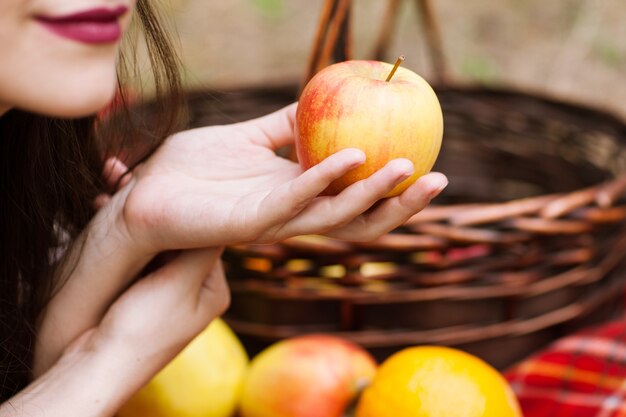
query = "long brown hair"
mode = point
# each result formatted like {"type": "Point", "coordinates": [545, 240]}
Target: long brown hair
{"type": "Point", "coordinates": [50, 173]}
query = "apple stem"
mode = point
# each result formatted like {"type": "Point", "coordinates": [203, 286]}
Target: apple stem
{"type": "Point", "coordinates": [395, 67]}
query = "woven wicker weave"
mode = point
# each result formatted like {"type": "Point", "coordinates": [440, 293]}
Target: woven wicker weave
{"type": "Point", "coordinates": [527, 242]}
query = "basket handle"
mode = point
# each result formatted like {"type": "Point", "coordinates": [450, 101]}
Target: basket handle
{"type": "Point", "coordinates": [333, 37]}
{"type": "Point", "coordinates": [434, 41]}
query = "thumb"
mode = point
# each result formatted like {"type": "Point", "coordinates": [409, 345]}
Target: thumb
{"type": "Point", "coordinates": [276, 129]}
{"type": "Point", "coordinates": [188, 271]}
{"type": "Point", "coordinates": [214, 297]}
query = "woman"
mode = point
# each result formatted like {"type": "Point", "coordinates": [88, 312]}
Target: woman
{"type": "Point", "coordinates": [90, 310]}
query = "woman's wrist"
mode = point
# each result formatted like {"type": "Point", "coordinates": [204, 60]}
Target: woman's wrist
{"type": "Point", "coordinates": [111, 222]}
{"type": "Point", "coordinates": [109, 378]}
{"type": "Point", "coordinates": [86, 382]}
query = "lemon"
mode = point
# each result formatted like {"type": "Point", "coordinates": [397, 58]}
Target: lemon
{"type": "Point", "coordinates": [204, 380]}
{"type": "Point", "coordinates": [431, 381]}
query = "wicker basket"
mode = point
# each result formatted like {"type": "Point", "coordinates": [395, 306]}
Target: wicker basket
{"type": "Point", "coordinates": [527, 242]}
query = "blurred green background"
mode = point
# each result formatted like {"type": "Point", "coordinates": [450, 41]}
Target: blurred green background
{"type": "Point", "coordinates": [574, 49]}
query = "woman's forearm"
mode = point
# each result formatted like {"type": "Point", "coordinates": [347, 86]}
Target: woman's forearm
{"type": "Point", "coordinates": [142, 331]}
{"type": "Point", "coordinates": [97, 268]}
{"type": "Point", "coordinates": [80, 384]}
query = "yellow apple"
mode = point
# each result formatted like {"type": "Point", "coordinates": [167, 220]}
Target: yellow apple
{"type": "Point", "coordinates": [307, 376]}
{"type": "Point", "coordinates": [352, 105]}
{"type": "Point", "coordinates": [204, 380]}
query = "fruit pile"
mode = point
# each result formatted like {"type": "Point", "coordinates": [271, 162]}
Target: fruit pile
{"type": "Point", "coordinates": [320, 376]}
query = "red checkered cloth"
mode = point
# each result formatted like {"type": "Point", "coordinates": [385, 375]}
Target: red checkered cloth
{"type": "Point", "coordinates": [582, 375]}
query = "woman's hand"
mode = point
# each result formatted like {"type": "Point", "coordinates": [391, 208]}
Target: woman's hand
{"type": "Point", "coordinates": [142, 331]}
{"type": "Point", "coordinates": [163, 311]}
{"type": "Point", "coordinates": [226, 185]}
{"type": "Point", "coordinates": [211, 187]}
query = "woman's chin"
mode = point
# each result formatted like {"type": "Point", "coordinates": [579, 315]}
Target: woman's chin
{"type": "Point", "coordinates": [66, 94]}
{"type": "Point", "coordinates": [77, 111]}
{"type": "Point", "coordinates": [71, 106]}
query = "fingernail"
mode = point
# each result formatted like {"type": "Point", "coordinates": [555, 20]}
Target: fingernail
{"type": "Point", "coordinates": [357, 155]}
{"type": "Point", "coordinates": [355, 164]}
{"type": "Point", "coordinates": [403, 165]}
{"type": "Point", "coordinates": [403, 177]}
{"type": "Point", "coordinates": [438, 186]}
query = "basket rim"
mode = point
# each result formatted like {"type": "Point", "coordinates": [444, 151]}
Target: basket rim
{"type": "Point", "coordinates": [569, 103]}
{"type": "Point", "coordinates": [448, 335]}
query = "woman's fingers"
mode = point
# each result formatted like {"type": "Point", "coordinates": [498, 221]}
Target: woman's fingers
{"type": "Point", "coordinates": [343, 216]}
{"type": "Point", "coordinates": [116, 176]}
{"type": "Point", "coordinates": [187, 272]}
{"type": "Point", "coordinates": [114, 170]}
{"type": "Point", "coordinates": [394, 211]}
{"type": "Point", "coordinates": [287, 200]}
{"type": "Point", "coordinates": [274, 130]}
{"type": "Point", "coordinates": [182, 296]}
{"type": "Point", "coordinates": [328, 213]}
{"type": "Point", "coordinates": [194, 282]}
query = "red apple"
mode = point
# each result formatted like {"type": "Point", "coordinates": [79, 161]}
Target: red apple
{"type": "Point", "coordinates": [351, 105]}
{"type": "Point", "coordinates": [307, 376]}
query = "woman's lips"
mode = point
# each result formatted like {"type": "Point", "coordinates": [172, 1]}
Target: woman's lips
{"type": "Point", "coordinates": [92, 26]}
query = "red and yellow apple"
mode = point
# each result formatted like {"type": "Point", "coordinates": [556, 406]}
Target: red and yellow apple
{"type": "Point", "coordinates": [352, 105]}
{"type": "Point", "coordinates": [307, 376]}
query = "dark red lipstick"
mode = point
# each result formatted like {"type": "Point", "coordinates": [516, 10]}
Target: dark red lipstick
{"type": "Point", "coordinates": [94, 26]}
